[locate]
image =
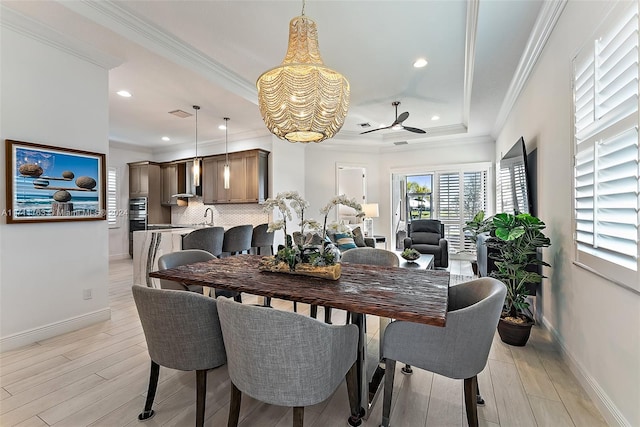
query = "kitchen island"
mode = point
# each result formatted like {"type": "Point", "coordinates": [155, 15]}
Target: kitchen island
{"type": "Point", "coordinates": [148, 246]}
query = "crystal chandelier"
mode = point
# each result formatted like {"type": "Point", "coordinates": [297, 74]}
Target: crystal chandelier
{"type": "Point", "coordinates": [302, 100]}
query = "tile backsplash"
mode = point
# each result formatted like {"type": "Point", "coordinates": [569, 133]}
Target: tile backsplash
{"type": "Point", "coordinates": [223, 215]}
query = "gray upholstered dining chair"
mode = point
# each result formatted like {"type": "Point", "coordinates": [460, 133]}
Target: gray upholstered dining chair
{"type": "Point", "coordinates": [366, 255]}
{"type": "Point", "coordinates": [189, 256]}
{"type": "Point", "coordinates": [284, 358]}
{"type": "Point", "coordinates": [459, 350]}
{"type": "Point", "coordinates": [237, 240]}
{"type": "Point", "coordinates": [371, 256]}
{"type": "Point", "coordinates": [262, 239]}
{"type": "Point", "coordinates": [182, 331]}
{"type": "Point", "coordinates": [208, 239]}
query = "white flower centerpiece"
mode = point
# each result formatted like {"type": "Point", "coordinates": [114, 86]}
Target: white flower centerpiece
{"type": "Point", "coordinates": [306, 254]}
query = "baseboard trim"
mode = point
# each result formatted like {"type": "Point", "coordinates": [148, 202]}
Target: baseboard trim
{"type": "Point", "coordinates": [53, 329]}
{"type": "Point", "coordinates": [608, 409]}
{"type": "Point", "coordinates": [116, 257]}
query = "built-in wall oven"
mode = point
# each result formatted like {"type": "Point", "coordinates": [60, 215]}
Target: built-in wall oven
{"type": "Point", "coordinates": [137, 218]}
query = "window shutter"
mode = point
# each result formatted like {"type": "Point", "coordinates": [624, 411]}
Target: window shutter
{"type": "Point", "coordinates": [449, 207]}
{"type": "Point", "coordinates": [112, 200]}
{"type": "Point", "coordinates": [474, 200]}
{"type": "Point", "coordinates": [607, 155]}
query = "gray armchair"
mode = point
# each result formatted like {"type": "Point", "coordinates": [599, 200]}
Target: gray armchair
{"type": "Point", "coordinates": [189, 256]}
{"type": "Point", "coordinates": [459, 350]}
{"type": "Point", "coordinates": [427, 237]}
{"type": "Point", "coordinates": [285, 359]}
{"type": "Point", "coordinates": [182, 332]}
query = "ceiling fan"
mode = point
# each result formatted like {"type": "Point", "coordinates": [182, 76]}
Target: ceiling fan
{"type": "Point", "coordinates": [397, 123]}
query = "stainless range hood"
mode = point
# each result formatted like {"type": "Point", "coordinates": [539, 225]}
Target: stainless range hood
{"type": "Point", "coordinates": [185, 181]}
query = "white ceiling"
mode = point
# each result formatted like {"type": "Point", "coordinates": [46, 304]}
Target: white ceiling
{"type": "Point", "coordinates": [176, 54]}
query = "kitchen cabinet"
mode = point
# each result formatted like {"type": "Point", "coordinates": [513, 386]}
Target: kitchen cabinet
{"type": "Point", "coordinates": [145, 181]}
{"type": "Point", "coordinates": [173, 182]}
{"type": "Point", "coordinates": [248, 178]}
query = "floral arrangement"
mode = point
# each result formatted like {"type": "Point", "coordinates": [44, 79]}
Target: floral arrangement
{"type": "Point", "coordinates": [410, 254]}
{"type": "Point", "coordinates": [300, 248]}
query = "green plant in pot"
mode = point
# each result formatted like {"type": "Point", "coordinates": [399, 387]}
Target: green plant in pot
{"type": "Point", "coordinates": [516, 239]}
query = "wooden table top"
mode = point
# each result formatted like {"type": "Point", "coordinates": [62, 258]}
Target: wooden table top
{"type": "Point", "coordinates": [414, 295]}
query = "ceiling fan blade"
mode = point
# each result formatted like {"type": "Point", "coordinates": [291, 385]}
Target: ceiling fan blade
{"type": "Point", "coordinates": [373, 130]}
{"type": "Point", "coordinates": [416, 130]}
{"type": "Point", "coordinates": [402, 117]}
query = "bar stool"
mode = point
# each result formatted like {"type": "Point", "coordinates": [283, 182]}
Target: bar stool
{"type": "Point", "coordinates": [262, 238]}
{"type": "Point", "coordinates": [237, 240]}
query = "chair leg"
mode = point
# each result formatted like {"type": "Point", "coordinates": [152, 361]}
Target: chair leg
{"type": "Point", "coordinates": [479, 399]}
{"type": "Point", "coordinates": [151, 393]}
{"type": "Point", "coordinates": [389, 374]}
{"type": "Point", "coordinates": [298, 416]}
{"type": "Point", "coordinates": [406, 370]}
{"type": "Point", "coordinates": [295, 307]}
{"type": "Point", "coordinates": [267, 302]}
{"type": "Point", "coordinates": [201, 395]}
{"type": "Point", "coordinates": [314, 311]}
{"type": "Point", "coordinates": [352, 391]}
{"type": "Point", "coordinates": [470, 395]}
{"type": "Point", "coordinates": [238, 298]}
{"type": "Point", "coordinates": [234, 406]}
{"type": "Point", "coordinates": [327, 315]}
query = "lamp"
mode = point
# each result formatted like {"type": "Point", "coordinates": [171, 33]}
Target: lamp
{"type": "Point", "coordinates": [370, 211]}
{"type": "Point", "coordinates": [227, 173]}
{"type": "Point", "coordinates": [302, 100]}
{"type": "Point", "coordinates": [196, 160]}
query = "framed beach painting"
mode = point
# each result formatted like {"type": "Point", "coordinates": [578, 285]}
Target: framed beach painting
{"type": "Point", "coordinates": [46, 183]}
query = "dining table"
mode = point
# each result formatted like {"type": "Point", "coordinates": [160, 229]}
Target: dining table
{"type": "Point", "coordinates": [414, 295]}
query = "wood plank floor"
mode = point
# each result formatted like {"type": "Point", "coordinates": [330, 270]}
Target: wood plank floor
{"type": "Point", "coordinates": [97, 376]}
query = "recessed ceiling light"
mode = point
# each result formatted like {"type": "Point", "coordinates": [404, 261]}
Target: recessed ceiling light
{"type": "Point", "coordinates": [124, 93]}
{"type": "Point", "coordinates": [222, 127]}
{"type": "Point", "coordinates": [421, 62]}
{"type": "Point", "coordinates": [166, 138]}
{"type": "Point", "coordinates": [435, 117]}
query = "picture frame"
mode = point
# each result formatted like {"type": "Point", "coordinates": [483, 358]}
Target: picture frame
{"type": "Point", "coordinates": [52, 184]}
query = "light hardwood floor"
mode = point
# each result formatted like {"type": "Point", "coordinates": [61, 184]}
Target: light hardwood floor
{"type": "Point", "coordinates": [97, 376]}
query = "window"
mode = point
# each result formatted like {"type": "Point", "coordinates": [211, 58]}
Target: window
{"type": "Point", "coordinates": [460, 196]}
{"type": "Point", "coordinates": [607, 156]}
{"type": "Point", "coordinates": [112, 197]}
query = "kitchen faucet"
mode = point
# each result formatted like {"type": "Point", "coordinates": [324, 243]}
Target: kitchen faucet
{"type": "Point", "coordinates": [205, 215]}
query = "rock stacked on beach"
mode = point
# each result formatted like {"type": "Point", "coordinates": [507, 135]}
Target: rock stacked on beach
{"type": "Point", "coordinates": [86, 182]}
{"type": "Point", "coordinates": [30, 169]}
{"type": "Point", "coordinates": [62, 196]}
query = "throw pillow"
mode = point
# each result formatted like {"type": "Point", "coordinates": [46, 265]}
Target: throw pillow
{"type": "Point", "coordinates": [358, 238]}
{"type": "Point", "coordinates": [344, 241]}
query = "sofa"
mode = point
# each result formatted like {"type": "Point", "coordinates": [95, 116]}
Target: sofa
{"type": "Point", "coordinates": [427, 237]}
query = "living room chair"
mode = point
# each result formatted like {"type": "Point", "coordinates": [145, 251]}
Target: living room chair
{"type": "Point", "coordinates": [182, 331]}
{"type": "Point", "coordinates": [459, 350]}
{"type": "Point", "coordinates": [427, 237]}
{"type": "Point", "coordinates": [208, 239]}
{"type": "Point", "coordinates": [286, 359]}
{"type": "Point", "coordinates": [189, 256]}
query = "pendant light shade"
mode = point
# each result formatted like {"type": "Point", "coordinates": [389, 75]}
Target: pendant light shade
{"type": "Point", "coordinates": [302, 100]}
{"type": "Point", "coordinates": [196, 160]}
{"type": "Point", "coordinates": [226, 174]}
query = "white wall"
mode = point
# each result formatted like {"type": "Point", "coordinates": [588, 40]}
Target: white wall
{"type": "Point", "coordinates": [54, 98]}
{"type": "Point", "coordinates": [596, 321]}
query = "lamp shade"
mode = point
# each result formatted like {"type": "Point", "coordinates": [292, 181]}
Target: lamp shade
{"type": "Point", "coordinates": [302, 100]}
{"type": "Point", "coordinates": [370, 210]}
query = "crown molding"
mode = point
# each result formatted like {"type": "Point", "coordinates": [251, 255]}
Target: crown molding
{"type": "Point", "coordinates": [141, 31]}
{"type": "Point", "coordinates": [469, 57]}
{"type": "Point", "coordinates": [45, 34]}
{"type": "Point", "coordinates": [542, 29]}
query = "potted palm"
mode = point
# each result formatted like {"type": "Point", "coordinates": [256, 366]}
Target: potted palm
{"type": "Point", "coordinates": [516, 239]}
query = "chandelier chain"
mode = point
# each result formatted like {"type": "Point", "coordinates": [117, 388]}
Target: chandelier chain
{"type": "Point", "coordinates": [303, 4]}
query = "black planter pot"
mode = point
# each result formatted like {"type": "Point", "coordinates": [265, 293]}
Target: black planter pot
{"type": "Point", "coordinates": [516, 334]}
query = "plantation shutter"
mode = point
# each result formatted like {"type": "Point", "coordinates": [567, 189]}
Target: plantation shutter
{"type": "Point", "coordinates": [449, 207]}
{"type": "Point", "coordinates": [607, 156]}
{"type": "Point", "coordinates": [112, 197]}
{"type": "Point", "coordinates": [474, 200]}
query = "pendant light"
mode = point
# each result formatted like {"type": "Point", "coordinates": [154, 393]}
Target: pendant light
{"type": "Point", "coordinates": [227, 173]}
{"type": "Point", "coordinates": [302, 100]}
{"type": "Point", "coordinates": [196, 160]}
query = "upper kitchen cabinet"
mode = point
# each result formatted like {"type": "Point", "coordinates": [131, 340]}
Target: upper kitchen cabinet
{"type": "Point", "coordinates": [248, 178]}
{"type": "Point", "coordinates": [145, 181]}
{"type": "Point", "coordinates": [173, 176]}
